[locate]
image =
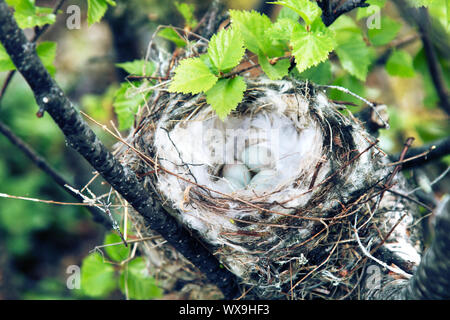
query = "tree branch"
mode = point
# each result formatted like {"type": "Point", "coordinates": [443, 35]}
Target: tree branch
{"type": "Point", "coordinates": [40, 162]}
{"type": "Point", "coordinates": [80, 137]}
{"type": "Point", "coordinates": [38, 33]}
{"type": "Point", "coordinates": [399, 44]}
{"type": "Point", "coordinates": [330, 14]}
{"type": "Point", "coordinates": [437, 150]}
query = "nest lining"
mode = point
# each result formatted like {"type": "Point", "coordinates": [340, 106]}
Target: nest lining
{"type": "Point", "coordinates": [297, 229]}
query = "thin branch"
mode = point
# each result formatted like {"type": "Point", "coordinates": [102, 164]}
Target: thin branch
{"type": "Point", "coordinates": [52, 173]}
{"type": "Point", "coordinates": [399, 166]}
{"type": "Point", "coordinates": [398, 44]}
{"type": "Point", "coordinates": [429, 152]}
{"type": "Point", "coordinates": [38, 33]}
{"type": "Point", "coordinates": [329, 16]}
{"type": "Point", "coordinates": [436, 180]}
{"type": "Point", "coordinates": [370, 104]}
{"type": "Point", "coordinates": [80, 136]}
{"type": "Point", "coordinates": [370, 256]}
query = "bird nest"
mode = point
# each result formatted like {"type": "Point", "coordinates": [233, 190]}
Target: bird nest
{"type": "Point", "coordinates": [287, 192]}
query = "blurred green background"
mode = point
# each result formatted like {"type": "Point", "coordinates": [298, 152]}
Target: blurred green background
{"type": "Point", "coordinates": [39, 241]}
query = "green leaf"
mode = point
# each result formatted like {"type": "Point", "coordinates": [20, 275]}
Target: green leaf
{"type": "Point", "coordinates": [136, 283]}
{"type": "Point", "coordinates": [355, 56]}
{"type": "Point", "coordinates": [320, 74]}
{"type": "Point", "coordinates": [286, 13]}
{"type": "Point", "coordinates": [45, 50]}
{"type": "Point", "coordinates": [254, 27]}
{"type": "Point", "coordinates": [344, 26]}
{"type": "Point", "coordinates": [312, 47]}
{"type": "Point", "coordinates": [97, 9]}
{"type": "Point", "coordinates": [226, 50]}
{"type": "Point", "coordinates": [431, 131]}
{"type": "Point", "coordinates": [400, 63]}
{"type": "Point", "coordinates": [126, 104]}
{"type": "Point", "coordinates": [117, 252]}
{"type": "Point", "coordinates": [28, 15]}
{"type": "Point", "coordinates": [225, 95]}
{"type": "Point", "coordinates": [192, 76]}
{"type": "Point", "coordinates": [47, 53]}
{"type": "Point", "coordinates": [97, 277]}
{"type": "Point", "coordinates": [440, 13]}
{"type": "Point", "coordinates": [275, 71]}
{"type": "Point", "coordinates": [187, 11]}
{"type": "Point", "coordinates": [6, 63]}
{"type": "Point", "coordinates": [386, 33]}
{"type": "Point", "coordinates": [138, 67]}
{"type": "Point", "coordinates": [172, 35]}
{"type": "Point", "coordinates": [283, 29]}
{"type": "Point", "coordinates": [99, 106]}
{"type": "Point", "coordinates": [308, 10]}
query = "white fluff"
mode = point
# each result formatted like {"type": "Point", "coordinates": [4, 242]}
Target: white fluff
{"type": "Point", "coordinates": [289, 142]}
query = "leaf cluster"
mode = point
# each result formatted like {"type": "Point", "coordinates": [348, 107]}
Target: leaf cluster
{"type": "Point", "coordinates": [100, 276]}
{"type": "Point", "coordinates": [297, 37]}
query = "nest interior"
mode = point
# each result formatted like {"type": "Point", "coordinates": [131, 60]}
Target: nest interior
{"type": "Point", "coordinates": [287, 192]}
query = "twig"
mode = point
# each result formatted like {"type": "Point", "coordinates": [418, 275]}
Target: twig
{"type": "Point", "coordinates": [240, 71]}
{"type": "Point", "coordinates": [440, 177]}
{"type": "Point", "coordinates": [104, 206]}
{"type": "Point", "coordinates": [86, 204]}
{"type": "Point", "coordinates": [42, 164]}
{"type": "Point", "coordinates": [370, 256]}
{"type": "Point", "coordinates": [383, 58]}
{"type": "Point", "coordinates": [425, 154]}
{"type": "Point", "coordinates": [329, 16]}
{"type": "Point", "coordinates": [370, 104]}
{"type": "Point", "coordinates": [398, 167]}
